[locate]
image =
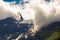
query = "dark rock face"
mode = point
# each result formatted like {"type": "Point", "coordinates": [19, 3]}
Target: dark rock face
{"type": "Point", "coordinates": [8, 27]}
{"type": "Point", "coordinates": [7, 21]}
{"type": "Point", "coordinates": [47, 31]}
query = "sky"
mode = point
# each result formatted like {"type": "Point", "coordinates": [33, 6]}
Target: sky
{"type": "Point", "coordinates": [16, 1]}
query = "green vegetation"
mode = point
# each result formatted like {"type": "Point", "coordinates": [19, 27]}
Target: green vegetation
{"type": "Point", "coordinates": [55, 35]}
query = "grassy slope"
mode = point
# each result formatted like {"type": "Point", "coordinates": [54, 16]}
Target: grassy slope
{"type": "Point", "coordinates": [55, 35]}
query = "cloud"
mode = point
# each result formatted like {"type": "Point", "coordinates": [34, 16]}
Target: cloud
{"type": "Point", "coordinates": [6, 10]}
{"type": "Point", "coordinates": [44, 12]}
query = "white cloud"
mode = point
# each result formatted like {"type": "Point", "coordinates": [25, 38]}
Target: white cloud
{"type": "Point", "coordinates": [44, 12]}
{"type": "Point", "coordinates": [6, 10]}
{"type": "Point", "coordinates": [28, 14]}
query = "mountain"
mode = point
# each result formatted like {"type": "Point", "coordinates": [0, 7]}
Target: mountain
{"type": "Point", "coordinates": [11, 27]}
{"type": "Point", "coordinates": [49, 32]}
